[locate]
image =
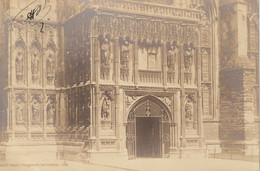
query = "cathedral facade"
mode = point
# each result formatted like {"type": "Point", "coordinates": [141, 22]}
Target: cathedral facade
{"type": "Point", "coordinates": [168, 78]}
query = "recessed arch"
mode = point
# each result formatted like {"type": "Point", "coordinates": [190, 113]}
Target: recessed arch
{"type": "Point", "coordinates": [148, 128]}
{"type": "Point", "coordinates": [153, 99]}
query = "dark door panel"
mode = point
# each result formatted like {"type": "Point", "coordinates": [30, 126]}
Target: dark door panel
{"type": "Point", "coordinates": [148, 137]}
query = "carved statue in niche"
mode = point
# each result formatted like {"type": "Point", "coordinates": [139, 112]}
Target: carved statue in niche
{"type": "Point", "coordinates": [105, 53]}
{"type": "Point", "coordinates": [188, 56]}
{"type": "Point", "coordinates": [189, 107]}
{"type": "Point", "coordinates": [19, 66]}
{"type": "Point", "coordinates": [171, 56]}
{"type": "Point", "coordinates": [148, 109]}
{"type": "Point", "coordinates": [35, 65]}
{"type": "Point", "coordinates": [124, 60]}
{"type": "Point", "coordinates": [188, 60]}
{"type": "Point", "coordinates": [20, 109]}
{"type": "Point", "coordinates": [51, 109]}
{"type": "Point", "coordinates": [106, 108]}
{"type": "Point", "coordinates": [188, 110]}
{"type": "Point", "coordinates": [35, 111]}
{"type": "Point", "coordinates": [50, 66]}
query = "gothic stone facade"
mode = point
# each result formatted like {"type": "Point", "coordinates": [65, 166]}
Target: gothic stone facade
{"type": "Point", "coordinates": [130, 78]}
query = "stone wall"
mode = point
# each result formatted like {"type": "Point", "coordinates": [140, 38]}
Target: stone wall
{"type": "Point", "coordinates": [231, 105]}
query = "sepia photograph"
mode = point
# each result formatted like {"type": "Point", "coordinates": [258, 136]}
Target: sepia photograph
{"type": "Point", "coordinates": [129, 85]}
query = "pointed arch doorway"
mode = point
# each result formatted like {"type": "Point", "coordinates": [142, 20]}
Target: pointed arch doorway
{"type": "Point", "coordinates": [148, 129]}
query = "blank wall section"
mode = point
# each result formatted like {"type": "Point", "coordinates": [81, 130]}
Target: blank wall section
{"type": "Point", "coordinates": [211, 131]}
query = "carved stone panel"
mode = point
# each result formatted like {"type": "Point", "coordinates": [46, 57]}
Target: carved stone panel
{"type": "Point", "coordinates": [19, 65]}
{"type": "Point", "coordinates": [105, 58]}
{"type": "Point", "coordinates": [20, 109]}
{"type": "Point", "coordinates": [188, 62]}
{"type": "Point", "coordinates": [190, 112]}
{"type": "Point", "coordinates": [125, 59]}
{"type": "Point", "coordinates": [205, 65]}
{"type": "Point", "coordinates": [19, 52]}
{"type": "Point", "coordinates": [51, 109]}
{"type": "Point", "coordinates": [35, 63]}
{"type": "Point", "coordinates": [205, 100]}
{"type": "Point", "coordinates": [36, 109]}
{"type": "Point", "coordinates": [172, 62]}
{"type": "Point", "coordinates": [50, 67]}
{"type": "Point", "coordinates": [106, 109]}
{"type": "Point", "coordinates": [171, 56]}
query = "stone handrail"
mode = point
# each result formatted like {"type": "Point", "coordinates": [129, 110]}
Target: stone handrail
{"type": "Point", "coordinates": [146, 8]}
{"type": "Point", "coordinates": [150, 76]}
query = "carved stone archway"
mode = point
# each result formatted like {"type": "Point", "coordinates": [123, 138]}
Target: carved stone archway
{"type": "Point", "coordinates": [149, 107]}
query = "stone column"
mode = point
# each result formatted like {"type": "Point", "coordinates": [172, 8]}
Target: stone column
{"type": "Point", "coordinates": [124, 139]}
{"type": "Point", "coordinates": [9, 111]}
{"type": "Point", "coordinates": [45, 97]}
{"type": "Point", "coordinates": [164, 54]}
{"type": "Point", "coordinates": [96, 56]}
{"type": "Point", "coordinates": [13, 114]}
{"type": "Point", "coordinates": [177, 118]}
{"type": "Point", "coordinates": [117, 78]}
{"type": "Point", "coordinates": [29, 114]}
{"type": "Point", "coordinates": [136, 76]}
{"type": "Point", "coordinates": [57, 110]}
{"type": "Point", "coordinates": [199, 103]}
{"type": "Point", "coordinates": [183, 126]}
{"type": "Point", "coordinates": [172, 136]}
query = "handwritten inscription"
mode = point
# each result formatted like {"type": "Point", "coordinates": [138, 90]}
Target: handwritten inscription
{"type": "Point", "coordinates": [37, 12]}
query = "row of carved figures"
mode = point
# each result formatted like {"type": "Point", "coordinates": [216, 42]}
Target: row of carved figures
{"type": "Point", "coordinates": [125, 58]}
{"type": "Point", "coordinates": [35, 108]}
{"type": "Point", "coordinates": [35, 66]}
{"type": "Point", "coordinates": [125, 54]}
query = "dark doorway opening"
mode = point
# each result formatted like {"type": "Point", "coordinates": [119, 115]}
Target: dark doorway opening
{"type": "Point", "coordinates": [148, 143]}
